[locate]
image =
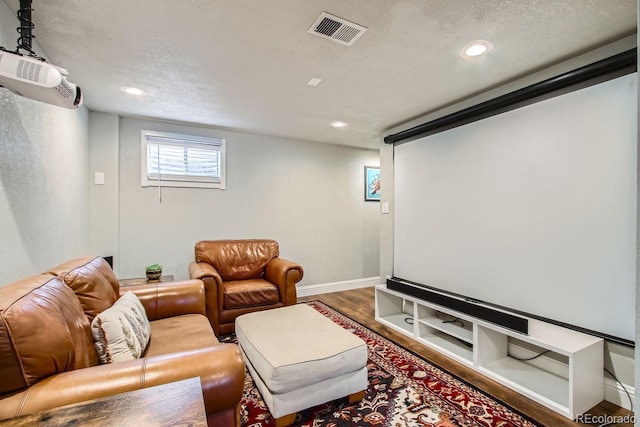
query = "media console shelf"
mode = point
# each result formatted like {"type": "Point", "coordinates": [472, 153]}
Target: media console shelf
{"type": "Point", "coordinates": [567, 378]}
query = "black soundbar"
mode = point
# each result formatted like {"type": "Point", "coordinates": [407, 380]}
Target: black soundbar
{"type": "Point", "coordinates": [461, 304]}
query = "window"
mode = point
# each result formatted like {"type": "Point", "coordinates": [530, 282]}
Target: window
{"type": "Point", "coordinates": [173, 160]}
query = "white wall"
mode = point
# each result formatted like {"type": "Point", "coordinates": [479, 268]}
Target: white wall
{"type": "Point", "coordinates": [43, 178]}
{"type": "Point", "coordinates": [618, 358]}
{"type": "Point", "coordinates": [307, 196]}
{"type": "Point", "coordinates": [103, 199]}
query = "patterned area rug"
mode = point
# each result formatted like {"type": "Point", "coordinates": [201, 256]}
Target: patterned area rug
{"type": "Point", "coordinates": [404, 391]}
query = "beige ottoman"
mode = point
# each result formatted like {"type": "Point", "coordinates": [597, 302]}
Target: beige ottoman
{"type": "Point", "coordinates": [298, 359]}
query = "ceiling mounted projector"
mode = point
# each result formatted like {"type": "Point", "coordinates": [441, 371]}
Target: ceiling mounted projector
{"type": "Point", "coordinates": [35, 79]}
{"type": "Point", "coordinates": [32, 76]}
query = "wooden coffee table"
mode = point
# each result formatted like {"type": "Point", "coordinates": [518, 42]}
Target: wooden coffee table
{"type": "Point", "coordinates": [176, 403]}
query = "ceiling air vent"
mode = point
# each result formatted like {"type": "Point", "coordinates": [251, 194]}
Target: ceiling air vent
{"type": "Point", "coordinates": [337, 29]}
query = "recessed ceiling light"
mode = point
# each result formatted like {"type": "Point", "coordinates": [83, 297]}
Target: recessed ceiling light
{"type": "Point", "coordinates": [315, 81]}
{"type": "Point", "coordinates": [338, 124]}
{"type": "Point", "coordinates": [475, 49]}
{"type": "Point", "coordinates": [133, 91]}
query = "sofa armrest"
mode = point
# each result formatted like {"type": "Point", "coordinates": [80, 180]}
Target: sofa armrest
{"type": "Point", "coordinates": [285, 274]}
{"type": "Point", "coordinates": [168, 299]}
{"type": "Point", "coordinates": [220, 368]}
{"type": "Point", "coordinates": [212, 288]}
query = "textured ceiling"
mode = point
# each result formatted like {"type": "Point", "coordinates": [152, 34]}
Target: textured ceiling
{"type": "Point", "coordinates": [243, 64]}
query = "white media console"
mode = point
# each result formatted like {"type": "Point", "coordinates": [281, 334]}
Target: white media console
{"type": "Point", "coordinates": [568, 378]}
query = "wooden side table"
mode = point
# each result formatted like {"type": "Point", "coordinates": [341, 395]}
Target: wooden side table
{"type": "Point", "coordinates": [171, 404]}
{"type": "Point", "coordinates": [143, 280]}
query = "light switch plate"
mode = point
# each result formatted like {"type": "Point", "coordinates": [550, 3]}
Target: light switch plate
{"type": "Point", "coordinates": [384, 207]}
{"type": "Point", "coordinates": [98, 178]}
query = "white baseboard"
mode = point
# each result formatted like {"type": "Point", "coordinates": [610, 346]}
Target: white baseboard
{"type": "Point", "coordinates": [325, 288]}
{"type": "Point", "coordinates": [614, 393]}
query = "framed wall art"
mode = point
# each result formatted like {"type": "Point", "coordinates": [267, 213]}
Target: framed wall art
{"type": "Point", "coordinates": [372, 184]}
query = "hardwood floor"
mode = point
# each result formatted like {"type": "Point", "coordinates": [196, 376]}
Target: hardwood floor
{"type": "Point", "coordinates": [359, 305]}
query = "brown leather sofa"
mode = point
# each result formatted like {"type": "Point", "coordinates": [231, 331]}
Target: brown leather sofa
{"type": "Point", "coordinates": [48, 359]}
{"type": "Point", "coordinates": [243, 276]}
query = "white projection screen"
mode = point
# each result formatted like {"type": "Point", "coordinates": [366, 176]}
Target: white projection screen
{"type": "Point", "coordinates": [533, 209]}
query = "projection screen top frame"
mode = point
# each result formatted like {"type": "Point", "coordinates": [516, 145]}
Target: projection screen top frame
{"type": "Point", "coordinates": [598, 72]}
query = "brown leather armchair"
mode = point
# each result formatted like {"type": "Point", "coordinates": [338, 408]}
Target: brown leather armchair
{"type": "Point", "coordinates": [243, 276]}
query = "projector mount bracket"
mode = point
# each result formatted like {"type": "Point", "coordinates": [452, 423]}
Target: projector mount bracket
{"type": "Point", "coordinates": [25, 30]}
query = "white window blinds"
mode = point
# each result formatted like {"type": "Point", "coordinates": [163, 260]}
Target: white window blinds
{"type": "Point", "coordinates": [182, 161]}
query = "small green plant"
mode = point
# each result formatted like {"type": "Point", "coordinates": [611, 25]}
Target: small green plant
{"type": "Point", "coordinates": [153, 267]}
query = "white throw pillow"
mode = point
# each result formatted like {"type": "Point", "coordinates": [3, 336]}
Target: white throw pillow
{"type": "Point", "coordinates": [122, 331]}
